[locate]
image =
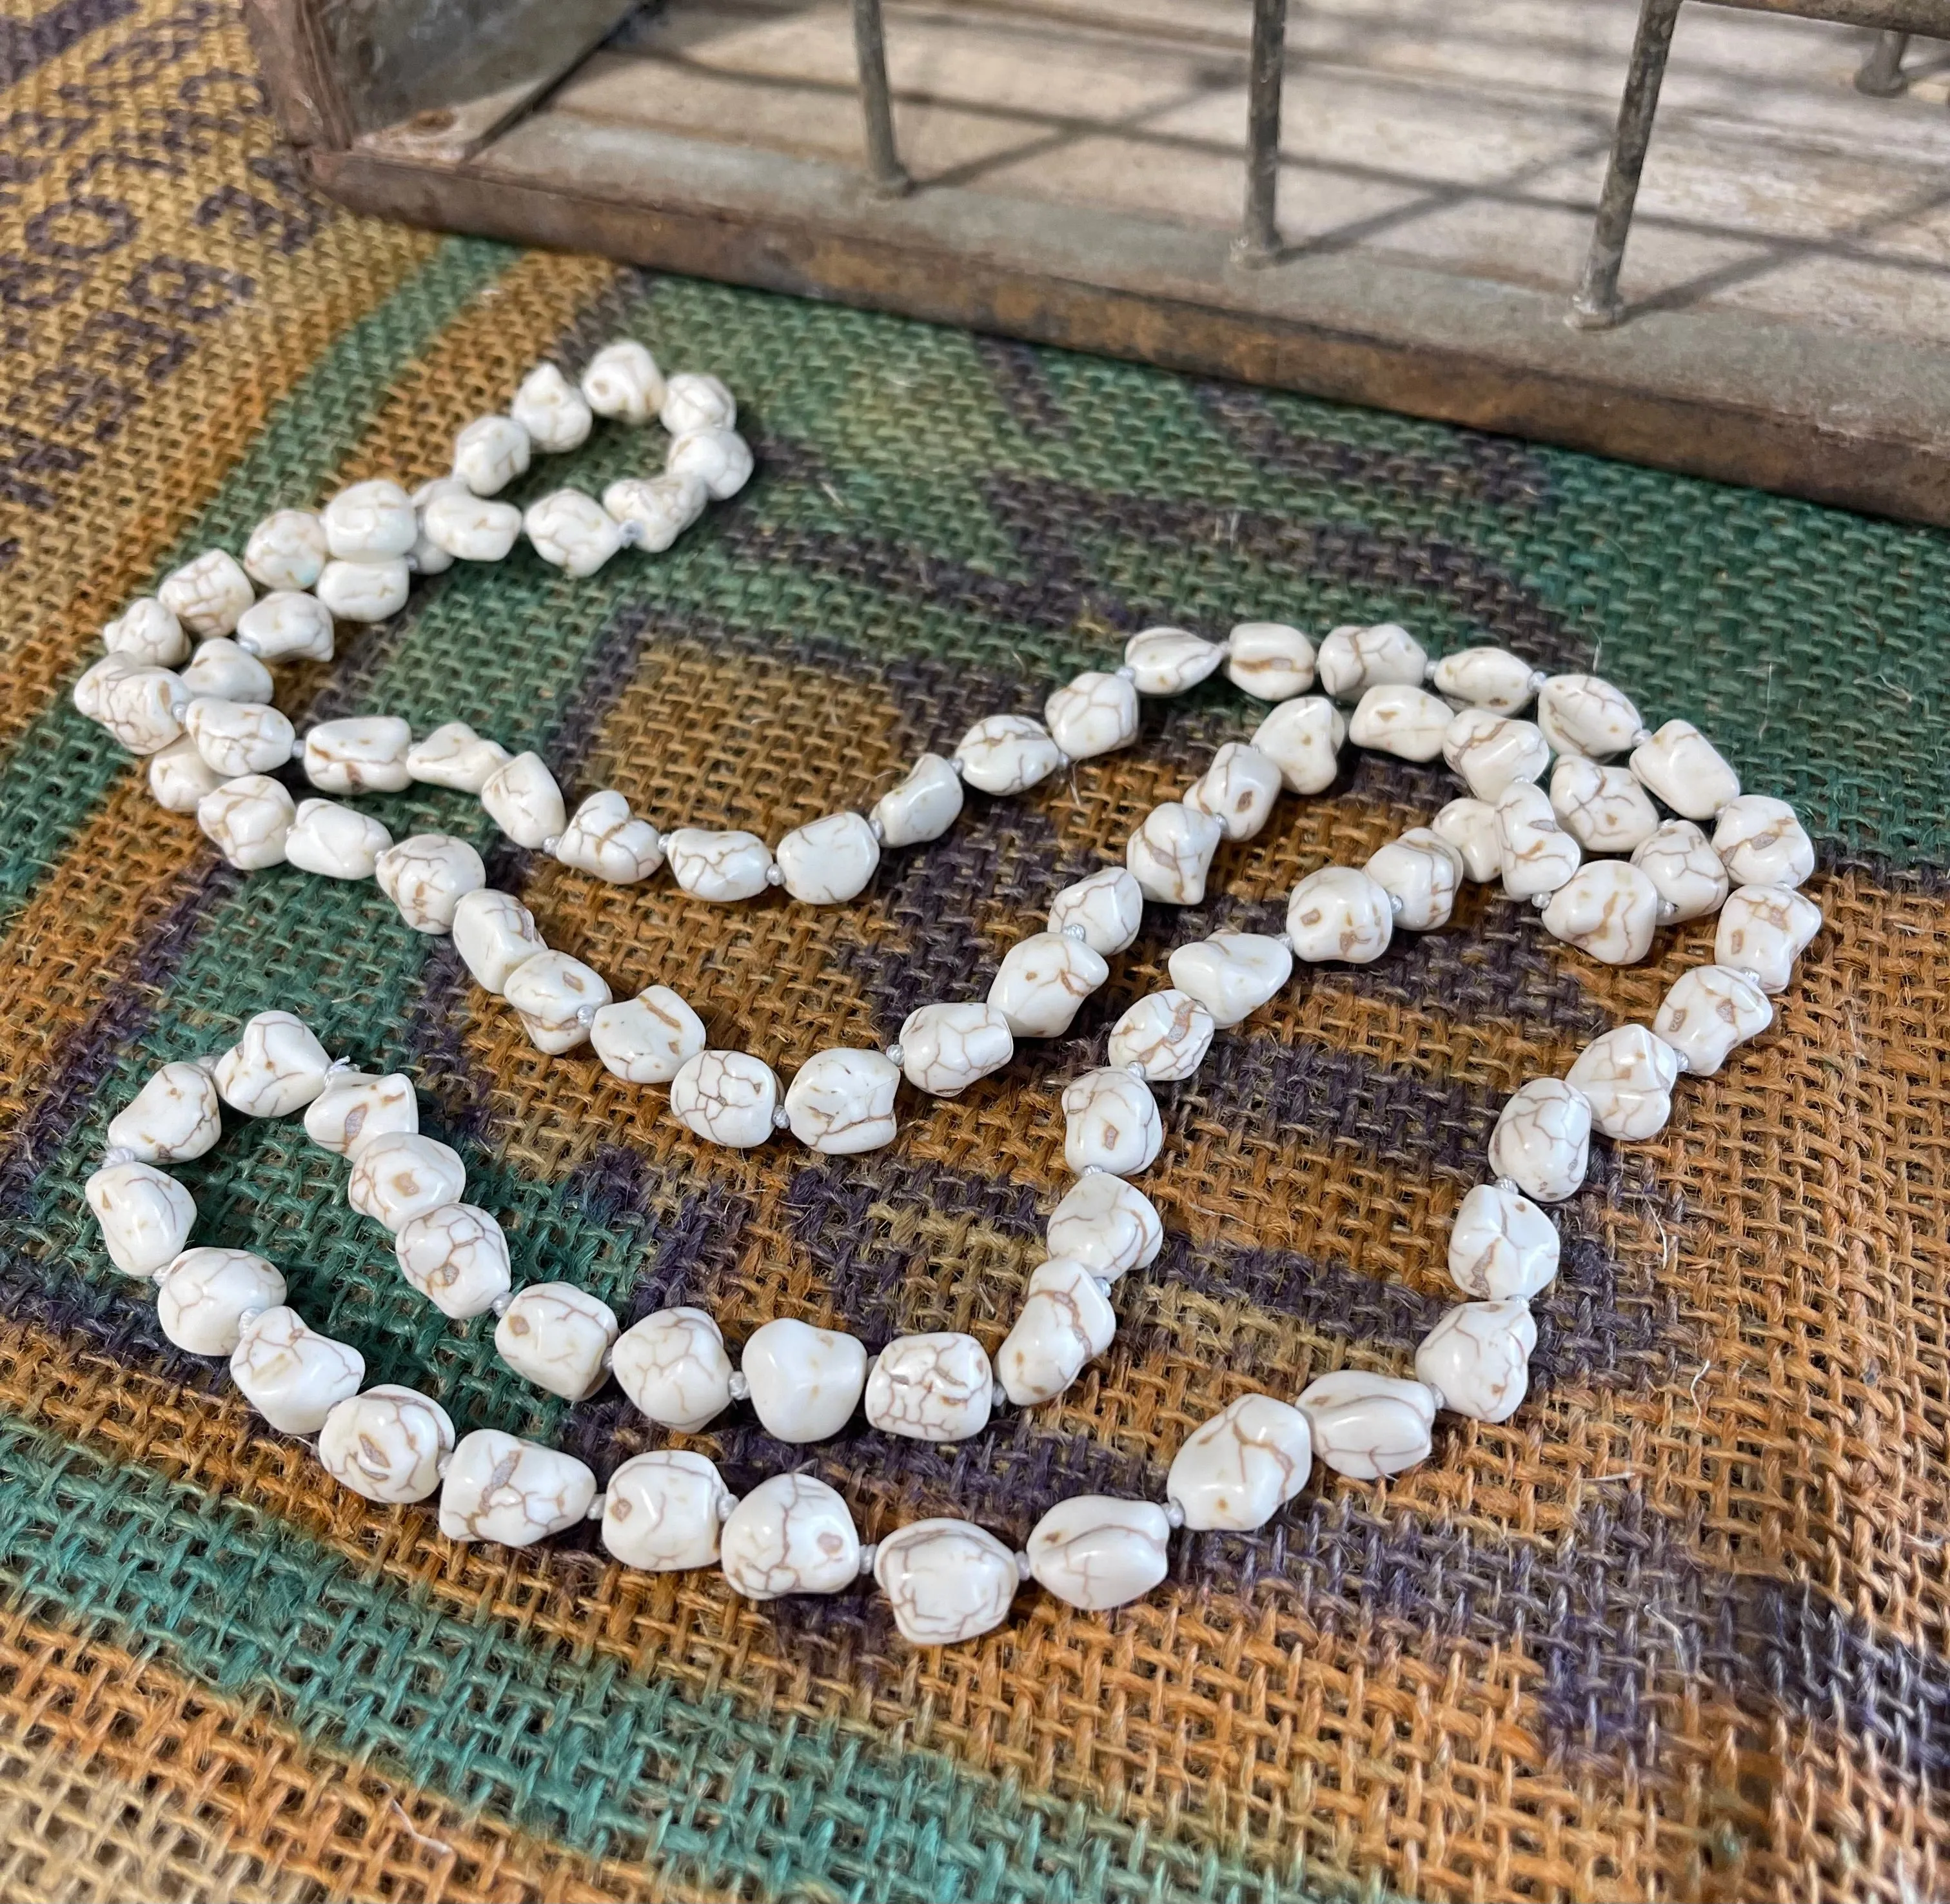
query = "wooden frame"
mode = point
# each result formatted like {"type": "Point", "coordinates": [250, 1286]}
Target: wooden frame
{"type": "Point", "coordinates": [1858, 419]}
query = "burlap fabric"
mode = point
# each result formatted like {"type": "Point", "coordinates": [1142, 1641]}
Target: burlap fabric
{"type": "Point", "coordinates": [1675, 1632]}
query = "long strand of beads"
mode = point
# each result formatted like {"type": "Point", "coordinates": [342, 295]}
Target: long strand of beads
{"type": "Point", "coordinates": [214, 741]}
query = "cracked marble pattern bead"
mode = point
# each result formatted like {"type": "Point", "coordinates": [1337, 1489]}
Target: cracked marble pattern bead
{"type": "Point", "coordinates": [144, 1216]}
{"type": "Point", "coordinates": [646, 1039]}
{"type": "Point", "coordinates": [369, 522]}
{"type": "Point", "coordinates": [208, 593]}
{"type": "Point", "coordinates": [1094, 714]}
{"type": "Point", "coordinates": [146, 634]}
{"type": "Point", "coordinates": [1303, 739]}
{"type": "Point", "coordinates": [556, 1336]}
{"type": "Point", "coordinates": [1608, 909]}
{"type": "Point", "coordinates": [1420, 871]}
{"type": "Point", "coordinates": [662, 1511]}
{"type": "Point", "coordinates": [841, 1101]}
{"type": "Point", "coordinates": [1108, 907]}
{"type": "Point", "coordinates": [1604, 809]}
{"type": "Point", "coordinates": [720, 459]}
{"type": "Point", "coordinates": [1469, 825]}
{"type": "Point", "coordinates": [934, 1388]}
{"type": "Point", "coordinates": [925, 804]}
{"type": "Point", "coordinates": [355, 1106]}
{"type": "Point", "coordinates": [427, 557]}
{"type": "Point", "coordinates": [622, 379]}
{"type": "Point", "coordinates": [572, 532]}
{"type": "Point", "coordinates": [1237, 790]}
{"type": "Point", "coordinates": [1502, 1244]}
{"type": "Point", "coordinates": [1763, 930]}
{"type": "Point", "coordinates": [471, 528]}
{"type": "Point", "coordinates": [238, 737]}
{"type": "Point", "coordinates": [1171, 853]}
{"type": "Point", "coordinates": [1006, 754]}
{"type": "Point", "coordinates": [291, 1374]}
{"type": "Point", "coordinates": [522, 799]}
{"type": "Point", "coordinates": [673, 1367]}
{"type": "Point", "coordinates": [1166, 1034]}
{"type": "Point", "coordinates": [805, 1383]}
{"type": "Point", "coordinates": [1339, 914]}
{"type": "Point", "coordinates": [1762, 843]}
{"type": "Point", "coordinates": [693, 399]}
{"type": "Point", "coordinates": [1491, 751]}
{"type": "Point", "coordinates": [1368, 1426]}
{"type": "Point", "coordinates": [1094, 1552]}
{"type": "Point", "coordinates": [387, 1444]}
{"type": "Point", "coordinates": [1169, 660]}
{"type": "Point", "coordinates": [791, 1534]}
{"type": "Point", "coordinates": [725, 1098]}
{"type": "Point", "coordinates": [1230, 974]}
{"type": "Point", "coordinates": [1542, 1140]}
{"type": "Point", "coordinates": [457, 1256]}
{"type": "Point", "coordinates": [500, 1488]}
{"type": "Point", "coordinates": [1353, 660]}
{"type": "Point", "coordinates": [179, 777]}
{"type": "Point", "coordinates": [287, 550]}
{"type": "Point", "coordinates": [1394, 718]}
{"type": "Point", "coordinates": [226, 672]}
{"type": "Point", "coordinates": [363, 754]}
{"type": "Point", "coordinates": [173, 1118]}
{"type": "Point", "coordinates": [248, 820]}
{"type": "Point", "coordinates": [946, 1048]}
{"type": "Point", "coordinates": [403, 1174]}
{"type": "Point", "coordinates": [1111, 1123]}
{"type": "Point", "coordinates": [554, 412]}
{"type": "Point", "coordinates": [829, 861]}
{"type": "Point", "coordinates": [90, 694]}
{"type": "Point", "coordinates": [1487, 677]}
{"type": "Point", "coordinates": [1108, 1226]}
{"type": "Point", "coordinates": [143, 708]}
{"type": "Point", "coordinates": [1042, 981]}
{"type": "Point", "coordinates": [556, 993]}
{"type": "Point", "coordinates": [425, 876]}
{"type": "Point", "coordinates": [494, 934]}
{"type": "Point", "coordinates": [1707, 1012]}
{"type": "Point", "coordinates": [1538, 855]}
{"type": "Point", "coordinates": [287, 625]}
{"type": "Point", "coordinates": [659, 508]}
{"type": "Point", "coordinates": [203, 1296]}
{"type": "Point", "coordinates": [334, 841]}
{"type": "Point", "coordinates": [1239, 1469]}
{"type": "Point", "coordinates": [605, 839]}
{"type": "Point", "coordinates": [1678, 860]}
{"type": "Point", "coordinates": [365, 592]}
{"type": "Point", "coordinates": [1269, 660]}
{"type": "Point", "coordinates": [1065, 1321]}
{"type": "Point", "coordinates": [1627, 1076]}
{"type": "Point", "coordinates": [1686, 771]}
{"type": "Point", "coordinates": [1582, 713]}
{"type": "Point", "coordinates": [720, 867]}
{"type": "Point", "coordinates": [1477, 1357]}
{"type": "Point", "coordinates": [946, 1581]}
{"type": "Point", "coordinates": [454, 755]}
{"type": "Point", "coordinates": [275, 1067]}
{"type": "Point", "coordinates": [490, 452]}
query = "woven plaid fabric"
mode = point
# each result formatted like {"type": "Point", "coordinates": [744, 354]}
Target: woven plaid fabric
{"type": "Point", "coordinates": [1677, 1631]}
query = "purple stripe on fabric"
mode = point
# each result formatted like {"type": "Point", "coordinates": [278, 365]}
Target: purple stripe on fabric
{"type": "Point", "coordinates": [27, 44]}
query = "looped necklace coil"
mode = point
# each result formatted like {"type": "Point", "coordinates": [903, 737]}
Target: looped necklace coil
{"type": "Point", "coordinates": [1593, 853]}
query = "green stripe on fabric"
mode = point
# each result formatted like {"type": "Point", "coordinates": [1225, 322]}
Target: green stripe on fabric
{"type": "Point", "coordinates": [574, 1751]}
{"type": "Point", "coordinates": [61, 765]}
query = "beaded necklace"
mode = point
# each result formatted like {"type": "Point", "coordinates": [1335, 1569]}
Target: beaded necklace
{"type": "Point", "coordinates": [214, 741]}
